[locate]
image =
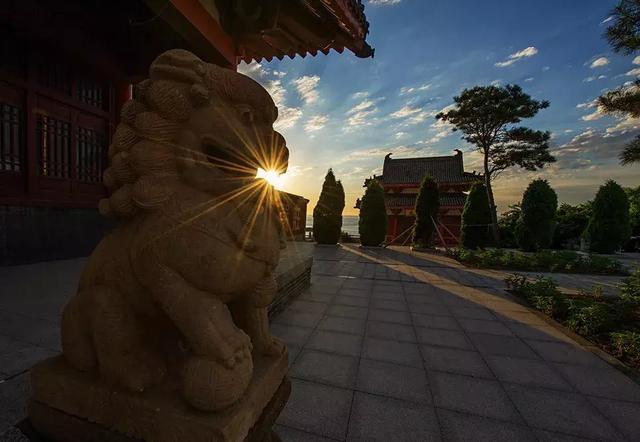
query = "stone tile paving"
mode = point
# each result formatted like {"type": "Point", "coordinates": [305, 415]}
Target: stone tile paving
{"type": "Point", "coordinates": [31, 301]}
{"type": "Point", "coordinates": [391, 345]}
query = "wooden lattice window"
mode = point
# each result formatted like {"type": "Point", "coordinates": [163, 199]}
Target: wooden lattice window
{"type": "Point", "coordinates": [11, 138]}
{"type": "Point", "coordinates": [93, 93]}
{"type": "Point", "coordinates": [90, 155]}
{"type": "Point", "coordinates": [57, 76]}
{"type": "Point", "coordinates": [53, 145]}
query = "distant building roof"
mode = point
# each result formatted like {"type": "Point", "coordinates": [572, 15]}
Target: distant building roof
{"type": "Point", "coordinates": [409, 200]}
{"type": "Point", "coordinates": [292, 197]}
{"type": "Point", "coordinates": [444, 169]}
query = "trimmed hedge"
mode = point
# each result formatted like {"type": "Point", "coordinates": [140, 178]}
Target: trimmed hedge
{"type": "Point", "coordinates": [562, 261]}
{"type": "Point", "coordinates": [427, 204]}
{"type": "Point", "coordinates": [609, 226]}
{"type": "Point", "coordinates": [327, 215]}
{"type": "Point", "coordinates": [476, 219]}
{"type": "Point", "coordinates": [372, 224]}
{"type": "Point", "coordinates": [534, 230]}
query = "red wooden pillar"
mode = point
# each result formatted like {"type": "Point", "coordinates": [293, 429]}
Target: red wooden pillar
{"type": "Point", "coordinates": [394, 228]}
{"type": "Point", "coordinates": [122, 94]}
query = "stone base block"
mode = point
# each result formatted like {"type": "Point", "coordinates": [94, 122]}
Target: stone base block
{"type": "Point", "coordinates": [68, 405]}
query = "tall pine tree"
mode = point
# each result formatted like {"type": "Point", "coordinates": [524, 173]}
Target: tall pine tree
{"type": "Point", "coordinates": [427, 205]}
{"type": "Point", "coordinates": [327, 215]}
{"type": "Point", "coordinates": [488, 117]}
{"type": "Point", "coordinates": [372, 224]}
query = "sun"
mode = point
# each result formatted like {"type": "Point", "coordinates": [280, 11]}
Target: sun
{"type": "Point", "coordinates": [272, 177]}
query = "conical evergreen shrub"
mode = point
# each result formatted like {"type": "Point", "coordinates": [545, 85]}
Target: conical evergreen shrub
{"type": "Point", "coordinates": [427, 205]}
{"type": "Point", "coordinates": [609, 227]}
{"type": "Point", "coordinates": [537, 222]}
{"type": "Point", "coordinates": [372, 224]}
{"type": "Point", "coordinates": [327, 215]}
{"type": "Point", "coordinates": [476, 219]}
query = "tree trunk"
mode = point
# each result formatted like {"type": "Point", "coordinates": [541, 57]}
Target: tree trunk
{"type": "Point", "coordinates": [492, 204]}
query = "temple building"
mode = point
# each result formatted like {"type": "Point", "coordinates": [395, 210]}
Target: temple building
{"type": "Point", "coordinates": [67, 68]}
{"type": "Point", "coordinates": [293, 215]}
{"type": "Point", "coordinates": [401, 179]}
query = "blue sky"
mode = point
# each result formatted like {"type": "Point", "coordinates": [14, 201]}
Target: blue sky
{"type": "Point", "coordinates": [347, 113]}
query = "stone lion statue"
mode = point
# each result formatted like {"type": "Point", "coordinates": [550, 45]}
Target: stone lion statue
{"type": "Point", "coordinates": [181, 286]}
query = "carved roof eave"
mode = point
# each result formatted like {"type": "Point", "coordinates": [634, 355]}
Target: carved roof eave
{"type": "Point", "coordinates": [309, 27]}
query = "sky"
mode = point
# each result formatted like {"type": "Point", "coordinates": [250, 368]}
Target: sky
{"type": "Point", "coordinates": [342, 112]}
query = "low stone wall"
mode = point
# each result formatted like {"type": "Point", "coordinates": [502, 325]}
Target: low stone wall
{"type": "Point", "coordinates": [293, 277]}
{"type": "Point", "coordinates": [34, 234]}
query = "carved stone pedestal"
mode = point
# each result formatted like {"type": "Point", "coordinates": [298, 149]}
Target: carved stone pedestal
{"type": "Point", "coordinates": [68, 405]}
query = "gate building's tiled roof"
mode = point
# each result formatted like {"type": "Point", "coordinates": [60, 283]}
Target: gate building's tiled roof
{"type": "Point", "coordinates": [444, 169]}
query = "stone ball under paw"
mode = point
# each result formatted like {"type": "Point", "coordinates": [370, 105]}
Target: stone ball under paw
{"type": "Point", "coordinates": [211, 386]}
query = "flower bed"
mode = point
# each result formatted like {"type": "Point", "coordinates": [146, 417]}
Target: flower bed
{"type": "Point", "coordinates": [613, 324]}
{"type": "Point", "coordinates": [563, 261]}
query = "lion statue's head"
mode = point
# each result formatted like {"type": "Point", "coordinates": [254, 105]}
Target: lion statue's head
{"type": "Point", "coordinates": [190, 123]}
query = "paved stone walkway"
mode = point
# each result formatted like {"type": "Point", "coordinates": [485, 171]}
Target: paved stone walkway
{"type": "Point", "coordinates": [390, 345]}
{"type": "Point", "coordinates": [386, 345]}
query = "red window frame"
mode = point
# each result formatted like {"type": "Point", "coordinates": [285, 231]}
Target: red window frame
{"type": "Point", "coordinates": [85, 110]}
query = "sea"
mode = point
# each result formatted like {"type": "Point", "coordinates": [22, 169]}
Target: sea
{"type": "Point", "coordinates": [349, 223]}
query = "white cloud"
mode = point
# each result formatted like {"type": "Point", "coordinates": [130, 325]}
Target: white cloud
{"type": "Point", "coordinates": [440, 135]}
{"type": "Point", "coordinates": [295, 170]}
{"type": "Point", "coordinates": [409, 90]}
{"type": "Point", "coordinates": [634, 72]}
{"type": "Point", "coordinates": [595, 115]}
{"type": "Point", "coordinates": [623, 126]}
{"type": "Point", "coordinates": [528, 79]}
{"type": "Point", "coordinates": [362, 113]}
{"type": "Point", "coordinates": [636, 60]}
{"type": "Point", "coordinates": [417, 149]}
{"type": "Point", "coordinates": [316, 123]}
{"type": "Point", "coordinates": [359, 95]}
{"type": "Point", "coordinates": [307, 88]}
{"type": "Point", "coordinates": [253, 69]}
{"type": "Point", "coordinates": [496, 82]}
{"type": "Point", "coordinates": [594, 78]}
{"type": "Point", "coordinates": [405, 111]}
{"type": "Point", "coordinates": [607, 20]}
{"type": "Point", "coordinates": [545, 68]}
{"type": "Point", "coordinates": [587, 104]}
{"type": "Point", "coordinates": [384, 2]}
{"type": "Point", "coordinates": [400, 134]}
{"type": "Point", "coordinates": [599, 62]}
{"type": "Point", "coordinates": [524, 53]}
{"type": "Point", "coordinates": [287, 117]}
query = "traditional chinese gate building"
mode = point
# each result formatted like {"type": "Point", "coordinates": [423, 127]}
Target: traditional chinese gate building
{"type": "Point", "coordinates": [66, 68]}
{"type": "Point", "coordinates": [401, 179]}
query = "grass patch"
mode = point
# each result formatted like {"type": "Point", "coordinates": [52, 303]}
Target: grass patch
{"type": "Point", "coordinates": [611, 323]}
{"type": "Point", "coordinates": [561, 261]}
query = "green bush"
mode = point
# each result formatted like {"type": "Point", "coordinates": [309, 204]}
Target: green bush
{"type": "Point", "coordinates": [427, 204]}
{"type": "Point", "coordinates": [327, 215]}
{"type": "Point", "coordinates": [545, 260]}
{"type": "Point", "coordinates": [542, 293]}
{"type": "Point", "coordinates": [614, 323]}
{"type": "Point", "coordinates": [507, 227]}
{"type": "Point", "coordinates": [476, 219]}
{"type": "Point", "coordinates": [626, 345]}
{"type": "Point", "coordinates": [570, 223]}
{"type": "Point", "coordinates": [372, 224]}
{"type": "Point", "coordinates": [534, 230]}
{"type": "Point", "coordinates": [591, 318]}
{"type": "Point", "coordinates": [609, 226]}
